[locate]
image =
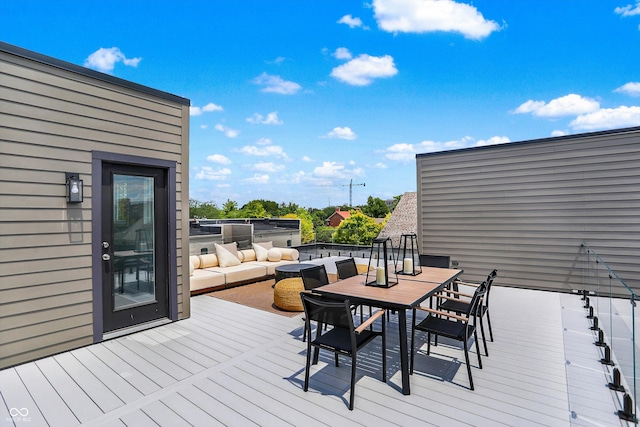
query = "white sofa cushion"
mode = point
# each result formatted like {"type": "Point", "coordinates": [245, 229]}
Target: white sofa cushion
{"type": "Point", "coordinates": [203, 279]}
{"type": "Point", "coordinates": [290, 254]}
{"type": "Point", "coordinates": [247, 255]}
{"type": "Point", "coordinates": [208, 260]}
{"type": "Point", "coordinates": [227, 254]}
{"type": "Point", "coordinates": [241, 273]}
{"type": "Point", "coordinates": [261, 249]}
{"type": "Point", "coordinates": [274, 255]}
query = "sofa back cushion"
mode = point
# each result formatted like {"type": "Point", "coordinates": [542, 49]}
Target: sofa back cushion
{"type": "Point", "coordinates": [261, 250]}
{"type": "Point", "coordinates": [195, 261]}
{"type": "Point", "coordinates": [290, 254]}
{"type": "Point", "coordinates": [247, 255]}
{"type": "Point", "coordinates": [208, 260]}
{"type": "Point", "coordinates": [227, 254]}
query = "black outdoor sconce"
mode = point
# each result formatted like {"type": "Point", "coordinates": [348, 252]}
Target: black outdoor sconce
{"type": "Point", "coordinates": [74, 187]}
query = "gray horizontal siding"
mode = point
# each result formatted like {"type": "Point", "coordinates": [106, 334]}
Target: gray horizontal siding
{"type": "Point", "coordinates": [51, 120]}
{"type": "Point", "coordinates": [526, 208]}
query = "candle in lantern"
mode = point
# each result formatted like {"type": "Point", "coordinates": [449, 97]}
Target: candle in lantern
{"type": "Point", "coordinates": [380, 279]}
{"type": "Point", "coordinates": [408, 266]}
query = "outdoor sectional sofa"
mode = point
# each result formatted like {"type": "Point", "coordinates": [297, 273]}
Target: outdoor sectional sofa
{"type": "Point", "coordinates": [229, 267]}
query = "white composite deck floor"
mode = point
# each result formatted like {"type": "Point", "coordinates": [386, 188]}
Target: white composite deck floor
{"type": "Point", "coordinates": [233, 365]}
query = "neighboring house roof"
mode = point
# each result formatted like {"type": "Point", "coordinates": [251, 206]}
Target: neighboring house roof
{"type": "Point", "coordinates": [403, 220]}
{"type": "Point", "coordinates": [341, 215]}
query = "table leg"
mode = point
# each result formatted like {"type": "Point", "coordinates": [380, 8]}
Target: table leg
{"type": "Point", "coordinates": [404, 360]}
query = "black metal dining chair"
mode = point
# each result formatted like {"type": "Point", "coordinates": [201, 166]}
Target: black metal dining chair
{"type": "Point", "coordinates": [460, 327]}
{"type": "Point", "coordinates": [342, 337]}
{"type": "Point", "coordinates": [459, 305]}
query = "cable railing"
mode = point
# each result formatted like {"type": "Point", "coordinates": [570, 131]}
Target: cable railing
{"type": "Point", "coordinates": [611, 307]}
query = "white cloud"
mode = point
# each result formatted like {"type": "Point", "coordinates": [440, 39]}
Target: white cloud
{"type": "Point", "coordinates": [336, 170]}
{"type": "Point", "coordinates": [568, 105]}
{"type": "Point", "coordinates": [268, 167]}
{"type": "Point", "coordinates": [342, 53]}
{"type": "Point", "coordinates": [219, 158]}
{"type": "Point", "coordinates": [263, 151]}
{"type": "Point", "coordinates": [342, 133]}
{"type": "Point", "coordinates": [628, 10]}
{"type": "Point", "coordinates": [306, 159]}
{"type": "Point", "coordinates": [350, 21]}
{"type": "Point", "coordinates": [362, 70]}
{"type": "Point", "coordinates": [228, 132]}
{"type": "Point", "coordinates": [529, 107]}
{"type": "Point", "coordinates": [104, 59]}
{"type": "Point", "coordinates": [401, 152]}
{"type": "Point", "coordinates": [559, 133]}
{"type": "Point", "coordinates": [404, 152]}
{"type": "Point", "coordinates": [271, 119]}
{"type": "Point", "coordinates": [419, 16]}
{"type": "Point", "coordinates": [381, 165]}
{"type": "Point", "coordinates": [264, 141]}
{"type": "Point", "coordinates": [257, 179]}
{"type": "Point", "coordinates": [631, 88]}
{"type": "Point", "coordinates": [275, 84]}
{"type": "Point", "coordinates": [493, 141]}
{"type": "Point", "coordinates": [608, 118]}
{"type": "Point", "coordinates": [196, 111]}
{"type": "Point", "coordinates": [210, 174]}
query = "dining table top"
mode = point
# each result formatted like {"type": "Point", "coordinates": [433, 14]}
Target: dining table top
{"type": "Point", "coordinates": [409, 292]}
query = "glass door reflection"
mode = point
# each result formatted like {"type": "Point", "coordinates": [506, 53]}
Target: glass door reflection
{"type": "Point", "coordinates": [134, 241]}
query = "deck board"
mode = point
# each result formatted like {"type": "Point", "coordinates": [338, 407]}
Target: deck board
{"type": "Point", "coordinates": [234, 365]}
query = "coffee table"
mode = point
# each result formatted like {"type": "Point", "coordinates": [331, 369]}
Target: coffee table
{"type": "Point", "coordinates": [290, 270]}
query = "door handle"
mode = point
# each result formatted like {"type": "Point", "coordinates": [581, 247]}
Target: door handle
{"type": "Point", "coordinates": [106, 257]}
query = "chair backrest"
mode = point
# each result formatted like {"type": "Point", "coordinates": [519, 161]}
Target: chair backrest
{"type": "Point", "coordinates": [441, 261]}
{"type": "Point", "coordinates": [327, 311]}
{"type": "Point", "coordinates": [314, 277]}
{"type": "Point", "coordinates": [476, 301]}
{"type": "Point", "coordinates": [489, 282]}
{"type": "Point", "coordinates": [346, 268]}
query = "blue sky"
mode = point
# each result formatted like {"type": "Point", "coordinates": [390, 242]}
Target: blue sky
{"type": "Point", "coordinates": [292, 100]}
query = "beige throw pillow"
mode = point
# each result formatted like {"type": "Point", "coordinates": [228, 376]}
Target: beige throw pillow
{"type": "Point", "coordinates": [227, 254]}
{"type": "Point", "coordinates": [261, 250]}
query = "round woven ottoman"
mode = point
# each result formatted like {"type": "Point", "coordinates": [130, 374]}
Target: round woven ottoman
{"type": "Point", "coordinates": [286, 294]}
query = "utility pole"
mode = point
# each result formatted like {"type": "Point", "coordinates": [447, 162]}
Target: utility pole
{"type": "Point", "coordinates": [351, 184]}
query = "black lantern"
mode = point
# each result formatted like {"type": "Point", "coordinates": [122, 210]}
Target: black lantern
{"type": "Point", "coordinates": [409, 258]}
{"type": "Point", "coordinates": [381, 254]}
{"type": "Point", "coordinates": [74, 187]}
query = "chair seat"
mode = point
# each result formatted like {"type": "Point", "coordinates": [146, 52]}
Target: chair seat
{"type": "Point", "coordinates": [340, 338]}
{"type": "Point", "coordinates": [446, 328]}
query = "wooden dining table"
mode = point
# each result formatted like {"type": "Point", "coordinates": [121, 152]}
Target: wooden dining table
{"type": "Point", "coordinates": [407, 294]}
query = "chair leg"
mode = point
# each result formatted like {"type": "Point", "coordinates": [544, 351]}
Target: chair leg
{"type": "Point", "coordinates": [307, 368]}
{"type": "Point", "coordinates": [353, 381]}
{"type": "Point", "coordinates": [475, 338]}
{"type": "Point", "coordinates": [489, 323]}
{"type": "Point", "coordinates": [336, 357]}
{"type": "Point", "coordinates": [484, 341]}
{"type": "Point", "coordinates": [466, 358]}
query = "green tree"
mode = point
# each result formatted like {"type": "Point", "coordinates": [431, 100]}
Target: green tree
{"type": "Point", "coordinates": [306, 224]}
{"type": "Point", "coordinates": [230, 210]}
{"type": "Point", "coordinates": [375, 207]}
{"type": "Point", "coordinates": [270, 206]}
{"type": "Point", "coordinates": [203, 210]}
{"type": "Point", "coordinates": [254, 209]}
{"type": "Point", "coordinates": [324, 234]}
{"type": "Point", "coordinates": [290, 208]}
{"type": "Point", "coordinates": [358, 229]}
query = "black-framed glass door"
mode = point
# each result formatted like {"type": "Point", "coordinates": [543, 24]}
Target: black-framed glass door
{"type": "Point", "coordinates": [134, 245]}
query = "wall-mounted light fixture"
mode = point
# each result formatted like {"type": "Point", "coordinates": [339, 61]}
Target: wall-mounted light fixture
{"type": "Point", "coordinates": [74, 187]}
